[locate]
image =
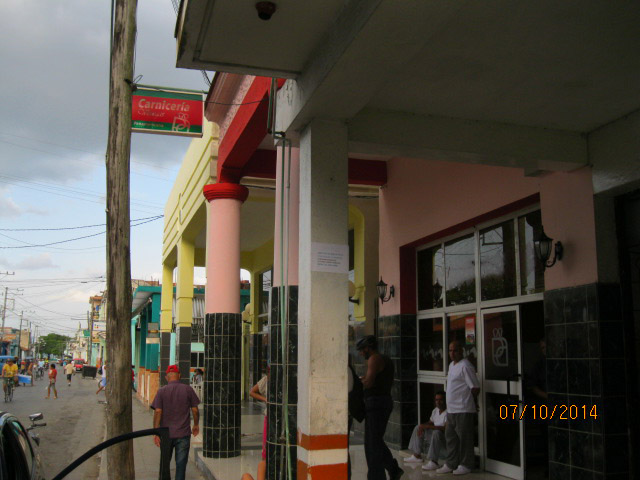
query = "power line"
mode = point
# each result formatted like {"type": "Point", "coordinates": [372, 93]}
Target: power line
{"type": "Point", "coordinates": [31, 245]}
{"type": "Point", "coordinates": [72, 228]}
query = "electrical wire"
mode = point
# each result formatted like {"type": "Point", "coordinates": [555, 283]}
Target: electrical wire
{"type": "Point", "coordinates": [71, 228]}
{"type": "Point", "coordinates": [31, 245]}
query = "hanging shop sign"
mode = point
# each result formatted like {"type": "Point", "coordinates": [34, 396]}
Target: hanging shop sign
{"type": "Point", "coordinates": [99, 327]}
{"type": "Point", "coordinates": [166, 112]}
{"type": "Point", "coordinates": [153, 332]}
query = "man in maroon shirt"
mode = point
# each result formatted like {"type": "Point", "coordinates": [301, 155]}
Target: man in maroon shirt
{"type": "Point", "coordinates": [172, 406]}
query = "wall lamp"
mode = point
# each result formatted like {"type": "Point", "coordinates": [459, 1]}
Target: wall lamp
{"type": "Point", "coordinates": [382, 291]}
{"type": "Point", "coordinates": [542, 246]}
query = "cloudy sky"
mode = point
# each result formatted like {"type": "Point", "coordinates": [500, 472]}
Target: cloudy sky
{"type": "Point", "coordinates": [53, 133]}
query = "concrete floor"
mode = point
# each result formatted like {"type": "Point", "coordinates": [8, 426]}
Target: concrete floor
{"type": "Point", "coordinates": [233, 468]}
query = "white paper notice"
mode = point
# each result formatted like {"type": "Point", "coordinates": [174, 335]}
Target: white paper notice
{"type": "Point", "coordinates": [329, 257]}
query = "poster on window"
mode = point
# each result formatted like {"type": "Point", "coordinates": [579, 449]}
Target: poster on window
{"type": "Point", "coordinates": [470, 330]}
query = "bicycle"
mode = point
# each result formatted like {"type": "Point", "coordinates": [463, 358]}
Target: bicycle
{"type": "Point", "coordinates": [8, 393]}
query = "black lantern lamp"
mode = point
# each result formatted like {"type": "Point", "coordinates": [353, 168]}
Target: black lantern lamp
{"type": "Point", "coordinates": [542, 245]}
{"type": "Point", "coordinates": [382, 291]}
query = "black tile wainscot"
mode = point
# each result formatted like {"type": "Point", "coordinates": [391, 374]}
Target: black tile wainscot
{"type": "Point", "coordinates": [397, 339]}
{"type": "Point", "coordinates": [584, 332]}
{"type": "Point", "coordinates": [222, 362]}
{"type": "Point", "coordinates": [283, 375]}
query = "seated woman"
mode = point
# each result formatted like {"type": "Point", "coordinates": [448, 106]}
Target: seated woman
{"type": "Point", "coordinates": [429, 436]}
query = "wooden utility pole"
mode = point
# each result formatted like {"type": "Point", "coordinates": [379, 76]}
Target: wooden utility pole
{"type": "Point", "coordinates": [119, 456]}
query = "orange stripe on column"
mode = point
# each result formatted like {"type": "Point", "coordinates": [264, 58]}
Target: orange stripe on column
{"type": "Point", "coordinates": [322, 442]}
{"type": "Point", "coordinates": [321, 472]}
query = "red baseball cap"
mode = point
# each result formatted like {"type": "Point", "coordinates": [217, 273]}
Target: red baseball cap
{"type": "Point", "coordinates": [173, 369]}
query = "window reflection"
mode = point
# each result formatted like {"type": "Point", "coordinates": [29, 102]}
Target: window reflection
{"type": "Point", "coordinates": [430, 277]}
{"type": "Point", "coordinates": [459, 260]}
{"type": "Point", "coordinates": [430, 344]}
{"type": "Point", "coordinates": [463, 329]}
{"type": "Point", "coordinates": [498, 261]}
{"type": "Point", "coordinates": [531, 269]}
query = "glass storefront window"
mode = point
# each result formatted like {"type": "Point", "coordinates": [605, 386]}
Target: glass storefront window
{"type": "Point", "coordinates": [460, 271]}
{"type": "Point", "coordinates": [264, 283]}
{"type": "Point", "coordinates": [463, 329]}
{"type": "Point", "coordinates": [430, 277]}
{"type": "Point", "coordinates": [428, 392]}
{"type": "Point", "coordinates": [531, 269]}
{"type": "Point", "coordinates": [498, 261]}
{"type": "Point", "coordinates": [430, 343]}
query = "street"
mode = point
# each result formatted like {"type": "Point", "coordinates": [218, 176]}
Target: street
{"type": "Point", "coordinates": [75, 422]}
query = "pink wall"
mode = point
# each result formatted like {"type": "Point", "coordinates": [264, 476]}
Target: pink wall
{"type": "Point", "coordinates": [425, 197]}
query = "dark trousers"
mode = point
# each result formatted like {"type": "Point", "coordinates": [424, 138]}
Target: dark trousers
{"type": "Point", "coordinates": [379, 458]}
{"type": "Point", "coordinates": [181, 447]}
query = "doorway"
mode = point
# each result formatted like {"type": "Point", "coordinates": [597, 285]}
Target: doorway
{"type": "Point", "coordinates": [514, 374]}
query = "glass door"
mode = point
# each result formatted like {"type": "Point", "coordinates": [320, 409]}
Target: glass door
{"type": "Point", "coordinates": [502, 392]}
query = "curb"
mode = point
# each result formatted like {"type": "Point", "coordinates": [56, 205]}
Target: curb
{"type": "Point", "coordinates": [201, 465]}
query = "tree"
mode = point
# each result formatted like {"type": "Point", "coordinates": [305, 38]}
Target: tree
{"type": "Point", "coordinates": [53, 344]}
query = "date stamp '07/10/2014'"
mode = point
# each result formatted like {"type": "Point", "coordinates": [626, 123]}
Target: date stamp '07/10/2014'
{"type": "Point", "coordinates": [548, 412]}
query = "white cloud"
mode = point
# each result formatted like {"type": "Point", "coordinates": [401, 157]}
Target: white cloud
{"type": "Point", "coordinates": [36, 262]}
{"type": "Point", "coordinates": [9, 208]}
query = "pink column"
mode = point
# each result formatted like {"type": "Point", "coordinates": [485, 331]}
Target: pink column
{"type": "Point", "coordinates": [291, 184]}
{"type": "Point", "coordinates": [222, 294]}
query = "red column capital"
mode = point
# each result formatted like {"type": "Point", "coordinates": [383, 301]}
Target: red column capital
{"type": "Point", "coordinates": [235, 191]}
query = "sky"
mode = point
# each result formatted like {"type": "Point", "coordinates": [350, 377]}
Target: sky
{"type": "Point", "coordinates": [53, 134]}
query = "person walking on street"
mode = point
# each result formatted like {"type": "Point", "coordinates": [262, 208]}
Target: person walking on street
{"type": "Point", "coordinates": [53, 374]}
{"type": "Point", "coordinates": [173, 405]}
{"type": "Point", "coordinates": [462, 406]}
{"type": "Point", "coordinates": [68, 369]}
{"type": "Point", "coordinates": [103, 381]}
{"type": "Point", "coordinates": [378, 405]}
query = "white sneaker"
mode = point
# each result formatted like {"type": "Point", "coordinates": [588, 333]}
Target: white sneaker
{"type": "Point", "coordinates": [412, 459]}
{"type": "Point", "coordinates": [444, 469]}
{"type": "Point", "coordinates": [461, 470]}
{"type": "Point", "coordinates": [430, 466]}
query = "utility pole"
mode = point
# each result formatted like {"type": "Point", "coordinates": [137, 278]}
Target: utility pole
{"type": "Point", "coordinates": [4, 314]}
{"type": "Point", "coordinates": [20, 338]}
{"type": "Point", "coordinates": [119, 420]}
{"type": "Point", "coordinates": [90, 346]}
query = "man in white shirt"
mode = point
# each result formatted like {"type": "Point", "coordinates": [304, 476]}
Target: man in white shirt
{"type": "Point", "coordinates": [462, 400]}
{"type": "Point", "coordinates": [430, 435]}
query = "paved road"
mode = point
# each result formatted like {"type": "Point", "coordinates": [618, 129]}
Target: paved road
{"type": "Point", "coordinates": [75, 422]}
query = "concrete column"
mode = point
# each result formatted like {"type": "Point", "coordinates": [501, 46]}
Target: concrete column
{"type": "Point", "coordinates": [166, 319]}
{"type": "Point", "coordinates": [223, 323]}
{"type": "Point", "coordinates": [184, 306]}
{"type": "Point", "coordinates": [323, 309]}
{"type": "Point", "coordinates": [283, 376]}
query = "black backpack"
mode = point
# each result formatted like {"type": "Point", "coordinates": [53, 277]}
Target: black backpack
{"type": "Point", "coordinates": [356, 398]}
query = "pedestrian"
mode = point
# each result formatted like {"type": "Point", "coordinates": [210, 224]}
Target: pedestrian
{"type": "Point", "coordinates": [259, 392]}
{"type": "Point", "coordinates": [429, 436]}
{"type": "Point", "coordinates": [378, 405]}
{"type": "Point", "coordinates": [355, 406]}
{"type": "Point", "coordinates": [172, 406]}
{"type": "Point", "coordinates": [133, 378]}
{"type": "Point", "coordinates": [68, 369]}
{"type": "Point", "coordinates": [462, 406]}
{"type": "Point", "coordinates": [103, 381]}
{"type": "Point", "coordinates": [9, 373]}
{"type": "Point", "coordinates": [53, 374]}
{"type": "Point", "coordinates": [198, 375]}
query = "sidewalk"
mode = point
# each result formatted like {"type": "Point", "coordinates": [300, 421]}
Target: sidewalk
{"type": "Point", "coordinates": [251, 448]}
{"type": "Point", "coordinates": [146, 455]}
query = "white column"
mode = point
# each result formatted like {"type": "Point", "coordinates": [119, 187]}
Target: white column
{"type": "Point", "coordinates": [323, 308]}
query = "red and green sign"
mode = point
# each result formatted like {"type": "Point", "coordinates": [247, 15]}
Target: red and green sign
{"type": "Point", "coordinates": [166, 112]}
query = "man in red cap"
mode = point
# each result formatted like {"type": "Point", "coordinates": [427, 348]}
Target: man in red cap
{"type": "Point", "coordinates": [172, 406]}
